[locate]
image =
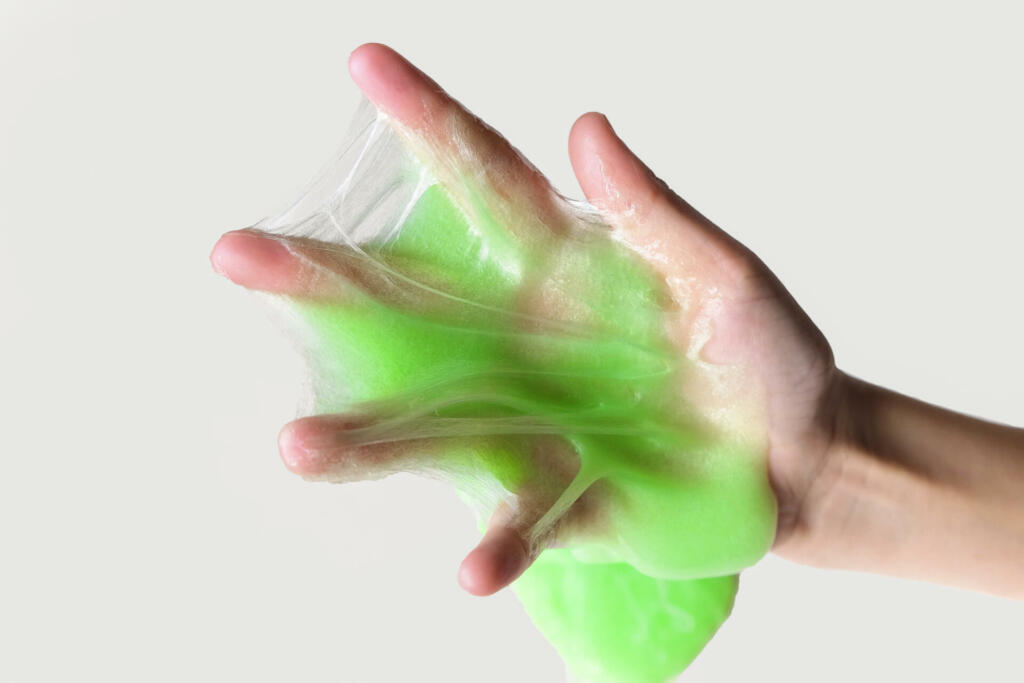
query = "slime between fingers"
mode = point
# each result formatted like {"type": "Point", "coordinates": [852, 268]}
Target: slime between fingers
{"type": "Point", "coordinates": [517, 349]}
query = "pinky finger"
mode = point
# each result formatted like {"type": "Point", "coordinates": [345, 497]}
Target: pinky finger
{"type": "Point", "coordinates": [498, 560]}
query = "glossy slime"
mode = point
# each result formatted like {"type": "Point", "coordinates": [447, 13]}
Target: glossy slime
{"type": "Point", "coordinates": [512, 345]}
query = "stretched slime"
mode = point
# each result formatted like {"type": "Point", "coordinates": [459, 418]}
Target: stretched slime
{"type": "Point", "coordinates": [506, 340]}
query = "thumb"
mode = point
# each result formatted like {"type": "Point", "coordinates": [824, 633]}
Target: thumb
{"type": "Point", "coordinates": [640, 204]}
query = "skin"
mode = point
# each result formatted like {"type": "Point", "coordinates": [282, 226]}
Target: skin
{"type": "Point", "coordinates": [865, 478]}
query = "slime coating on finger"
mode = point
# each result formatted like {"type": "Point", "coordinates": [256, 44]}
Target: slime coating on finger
{"type": "Point", "coordinates": [517, 349]}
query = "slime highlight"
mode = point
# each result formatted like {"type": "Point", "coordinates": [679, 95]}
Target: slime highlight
{"type": "Point", "coordinates": [486, 331]}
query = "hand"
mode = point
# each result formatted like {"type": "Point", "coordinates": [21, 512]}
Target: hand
{"type": "Point", "coordinates": [758, 371]}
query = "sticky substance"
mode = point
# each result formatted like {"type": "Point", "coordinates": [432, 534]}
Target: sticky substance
{"type": "Point", "coordinates": [516, 348]}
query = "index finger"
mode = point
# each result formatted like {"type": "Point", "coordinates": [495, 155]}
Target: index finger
{"type": "Point", "coordinates": [461, 147]}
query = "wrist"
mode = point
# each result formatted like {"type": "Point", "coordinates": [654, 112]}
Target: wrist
{"type": "Point", "coordinates": [846, 514]}
{"type": "Point", "coordinates": [912, 490]}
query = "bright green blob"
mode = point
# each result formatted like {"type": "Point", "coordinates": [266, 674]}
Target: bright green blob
{"type": "Point", "coordinates": [613, 624]}
{"type": "Point", "coordinates": [543, 370]}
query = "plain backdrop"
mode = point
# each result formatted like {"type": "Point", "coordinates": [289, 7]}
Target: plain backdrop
{"type": "Point", "coordinates": [870, 152]}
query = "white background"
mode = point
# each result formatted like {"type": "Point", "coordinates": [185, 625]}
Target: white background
{"type": "Point", "coordinates": [872, 153]}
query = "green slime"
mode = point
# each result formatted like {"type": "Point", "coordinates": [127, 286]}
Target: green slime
{"type": "Point", "coordinates": [441, 340]}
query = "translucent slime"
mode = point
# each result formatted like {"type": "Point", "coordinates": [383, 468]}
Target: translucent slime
{"type": "Point", "coordinates": [515, 346]}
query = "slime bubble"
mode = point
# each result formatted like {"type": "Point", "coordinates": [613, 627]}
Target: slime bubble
{"type": "Point", "coordinates": [502, 337]}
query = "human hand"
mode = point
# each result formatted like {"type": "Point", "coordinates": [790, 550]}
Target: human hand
{"type": "Point", "coordinates": [751, 380]}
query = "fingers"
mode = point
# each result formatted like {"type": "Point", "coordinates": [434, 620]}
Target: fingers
{"type": "Point", "coordinates": [612, 178]}
{"type": "Point", "coordinates": [257, 261]}
{"type": "Point", "coordinates": [651, 217]}
{"type": "Point", "coordinates": [516, 535]}
{"type": "Point", "coordinates": [324, 447]}
{"type": "Point", "coordinates": [329, 446]}
{"type": "Point", "coordinates": [300, 267]}
{"type": "Point", "coordinates": [397, 87]}
{"type": "Point", "coordinates": [466, 146]}
{"type": "Point", "coordinates": [498, 560]}
{"type": "Point", "coordinates": [347, 448]}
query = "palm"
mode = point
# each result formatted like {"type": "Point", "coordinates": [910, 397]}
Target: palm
{"type": "Point", "coordinates": [760, 327]}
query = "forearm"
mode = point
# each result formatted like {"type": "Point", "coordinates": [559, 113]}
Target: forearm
{"type": "Point", "coordinates": [912, 490]}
